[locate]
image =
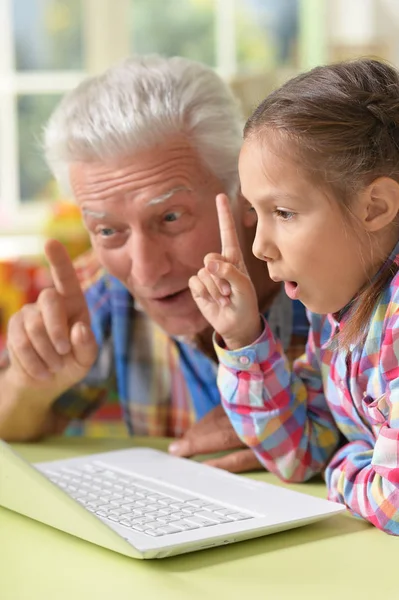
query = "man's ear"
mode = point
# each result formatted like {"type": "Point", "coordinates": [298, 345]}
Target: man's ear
{"type": "Point", "coordinates": [379, 204]}
{"type": "Point", "coordinates": [247, 214]}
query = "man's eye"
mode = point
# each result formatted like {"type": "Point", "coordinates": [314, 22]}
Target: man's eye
{"type": "Point", "coordinates": [171, 217]}
{"type": "Point", "coordinates": [106, 231]}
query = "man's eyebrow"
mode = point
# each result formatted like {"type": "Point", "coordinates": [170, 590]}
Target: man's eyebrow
{"type": "Point", "coordinates": [153, 201]}
{"type": "Point", "coordinates": [167, 195]}
{"type": "Point", "coordinates": [94, 214]}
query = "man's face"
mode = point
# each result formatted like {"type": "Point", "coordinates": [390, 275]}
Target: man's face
{"type": "Point", "coordinates": [152, 219]}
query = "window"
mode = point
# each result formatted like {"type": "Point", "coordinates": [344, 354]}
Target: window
{"type": "Point", "coordinates": [41, 57]}
{"type": "Point", "coordinates": [48, 46]}
{"type": "Point", "coordinates": [174, 27]}
{"type": "Point", "coordinates": [267, 34]}
{"type": "Point", "coordinates": [230, 35]}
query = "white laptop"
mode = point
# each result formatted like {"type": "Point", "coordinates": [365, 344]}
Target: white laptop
{"type": "Point", "coordinates": [147, 504]}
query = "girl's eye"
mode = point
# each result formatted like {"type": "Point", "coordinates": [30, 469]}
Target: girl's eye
{"type": "Point", "coordinates": [284, 215]}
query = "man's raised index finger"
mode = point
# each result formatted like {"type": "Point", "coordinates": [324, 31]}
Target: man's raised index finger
{"type": "Point", "coordinates": [62, 271]}
{"type": "Point", "coordinates": [228, 234]}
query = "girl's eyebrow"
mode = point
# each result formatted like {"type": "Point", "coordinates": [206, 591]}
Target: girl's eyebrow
{"type": "Point", "coordinates": [278, 197]}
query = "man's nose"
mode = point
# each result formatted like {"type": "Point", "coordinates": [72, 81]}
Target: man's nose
{"type": "Point", "coordinates": [150, 260]}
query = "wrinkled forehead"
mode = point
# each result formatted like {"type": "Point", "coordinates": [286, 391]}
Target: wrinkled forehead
{"type": "Point", "coordinates": [158, 173]}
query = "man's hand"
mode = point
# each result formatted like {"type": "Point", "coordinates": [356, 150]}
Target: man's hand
{"type": "Point", "coordinates": [50, 343]}
{"type": "Point", "coordinates": [223, 290]}
{"type": "Point", "coordinates": [214, 433]}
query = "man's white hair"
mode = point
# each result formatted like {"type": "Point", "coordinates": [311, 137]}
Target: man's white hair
{"type": "Point", "coordinates": [141, 102]}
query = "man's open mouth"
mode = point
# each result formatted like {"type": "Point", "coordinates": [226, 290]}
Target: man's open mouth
{"type": "Point", "coordinates": [172, 297]}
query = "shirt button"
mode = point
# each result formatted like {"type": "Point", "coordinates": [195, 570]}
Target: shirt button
{"type": "Point", "coordinates": [244, 360]}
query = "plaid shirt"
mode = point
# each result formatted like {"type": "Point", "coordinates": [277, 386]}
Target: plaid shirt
{"type": "Point", "coordinates": [295, 419]}
{"type": "Point", "coordinates": [145, 382]}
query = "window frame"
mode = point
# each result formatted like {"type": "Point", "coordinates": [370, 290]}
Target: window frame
{"type": "Point", "coordinates": [106, 39]}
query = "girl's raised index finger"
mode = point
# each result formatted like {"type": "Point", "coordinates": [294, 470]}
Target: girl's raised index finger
{"type": "Point", "coordinates": [228, 234]}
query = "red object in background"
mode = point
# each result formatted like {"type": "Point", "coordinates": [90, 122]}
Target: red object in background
{"type": "Point", "coordinates": [21, 281]}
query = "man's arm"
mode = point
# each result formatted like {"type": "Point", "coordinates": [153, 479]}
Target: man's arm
{"type": "Point", "coordinates": [50, 347]}
{"type": "Point", "coordinates": [25, 415]}
{"type": "Point", "coordinates": [213, 434]}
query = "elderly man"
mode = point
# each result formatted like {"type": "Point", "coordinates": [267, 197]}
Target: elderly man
{"type": "Point", "coordinates": [144, 148]}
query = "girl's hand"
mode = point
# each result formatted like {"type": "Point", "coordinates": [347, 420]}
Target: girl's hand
{"type": "Point", "coordinates": [223, 290]}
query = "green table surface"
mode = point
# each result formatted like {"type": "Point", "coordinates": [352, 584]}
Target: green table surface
{"type": "Point", "coordinates": [341, 557]}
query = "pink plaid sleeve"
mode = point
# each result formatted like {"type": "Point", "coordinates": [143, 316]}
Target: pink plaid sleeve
{"type": "Point", "coordinates": [281, 414]}
{"type": "Point", "coordinates": [364, 477]}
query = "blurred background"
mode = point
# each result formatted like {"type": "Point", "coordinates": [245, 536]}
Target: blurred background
{"type": "Point", "coordinates": [48, 46]}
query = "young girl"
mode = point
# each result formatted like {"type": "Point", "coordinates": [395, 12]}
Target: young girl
{"type": "Point", "coordinates": [320, 167]}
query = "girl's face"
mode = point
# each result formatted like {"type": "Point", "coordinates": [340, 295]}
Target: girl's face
{"type": "Point", "coordinates": [301, 232]}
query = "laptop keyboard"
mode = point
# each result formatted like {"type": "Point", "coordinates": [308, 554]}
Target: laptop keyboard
{"type": "Point", "coordinates": [138, 504]}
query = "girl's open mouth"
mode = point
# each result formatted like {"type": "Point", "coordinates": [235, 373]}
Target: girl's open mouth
{"type": "Point", "coordinates": [291, 289]}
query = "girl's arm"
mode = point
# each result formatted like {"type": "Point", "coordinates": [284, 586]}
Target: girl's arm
{"type": "Point", "coordinates": [366, 477]}
{"type": "Point", "coordinates": [280, 413]}
{"type": "Point", "coordinates": [282, 416]}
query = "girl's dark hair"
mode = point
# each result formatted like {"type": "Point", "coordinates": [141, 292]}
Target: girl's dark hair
{"type": "Point", "coordinates": [342, 123]}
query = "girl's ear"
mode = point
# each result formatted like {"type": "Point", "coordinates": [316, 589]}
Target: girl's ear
{"type": "Point", "coordinates": [379, 204]}
{"type": "Point", "coordinates": [247, 213]}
